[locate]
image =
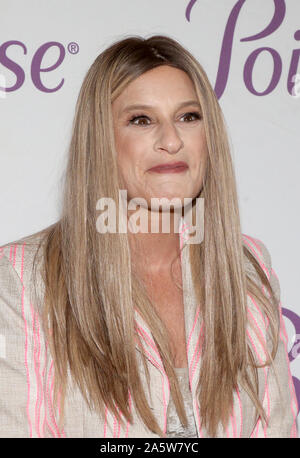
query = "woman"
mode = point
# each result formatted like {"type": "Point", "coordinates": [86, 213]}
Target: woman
{"type": "Point", "coordinates": [144, 334]}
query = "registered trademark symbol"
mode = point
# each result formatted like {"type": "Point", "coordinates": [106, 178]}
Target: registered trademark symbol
{"type": "Point", "coordinates": [73, 47]}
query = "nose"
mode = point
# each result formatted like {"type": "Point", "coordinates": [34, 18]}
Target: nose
{"type": "Point", "coordinates": [168, 139]}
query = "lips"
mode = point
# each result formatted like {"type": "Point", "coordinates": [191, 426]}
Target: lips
{"type": "Point", "coordinates": [174, 167]}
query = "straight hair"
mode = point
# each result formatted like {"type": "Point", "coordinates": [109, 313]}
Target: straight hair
{"type": "Point", "coordinates": [91, 289]}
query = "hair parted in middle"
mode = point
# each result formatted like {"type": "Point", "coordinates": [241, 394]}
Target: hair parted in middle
{"type": "Point", "coordinates": [91, 290]}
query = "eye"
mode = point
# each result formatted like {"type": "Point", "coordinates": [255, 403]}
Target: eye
{"type": "Point", "coordinates": [193, 116]}
{"type": "Point", "coordinates": [136, 120]}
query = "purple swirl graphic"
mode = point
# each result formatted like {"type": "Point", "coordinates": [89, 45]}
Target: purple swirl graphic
{"type": "Point", "coordinates": [189, 9]}
{"type": "Point", "coordinates": [293, 353]}
{"type": "Point", "coordinates": [295, 319]}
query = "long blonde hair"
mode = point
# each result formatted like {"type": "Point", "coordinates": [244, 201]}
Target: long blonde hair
{"type": "Point", "coordinates": [91, 291]}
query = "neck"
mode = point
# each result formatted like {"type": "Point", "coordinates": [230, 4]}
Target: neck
{"type": "Point", "coordinates": [154, 252]}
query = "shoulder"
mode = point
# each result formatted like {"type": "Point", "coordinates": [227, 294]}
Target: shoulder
{"type": "Point", "coordinates": [21, 253]}
{"type": "Point", "coordinates": [17, 260]}
{"type": "Point", "coordinates": [262, 255]}
{"type": "Point", "coordinates": [260, 252]}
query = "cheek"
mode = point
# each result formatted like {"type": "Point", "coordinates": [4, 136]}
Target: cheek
{"type": "Point", "coordinates": [124, 149]}
{"type": "Point", "coordinates": [128, 156]}
{"type": "Point", "coordinates": [196, 149]}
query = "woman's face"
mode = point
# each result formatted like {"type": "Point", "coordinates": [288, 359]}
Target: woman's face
{"type": "Point", "coordinates": [158, 120]}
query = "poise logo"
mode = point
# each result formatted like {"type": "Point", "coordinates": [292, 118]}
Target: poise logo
{"type": "Point", "coordinates": [37, 68]}
{"type": "Point", "coordinates": [272, 25]}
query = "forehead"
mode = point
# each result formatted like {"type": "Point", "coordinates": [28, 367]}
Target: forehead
{"type": "Point", "coordinates": [158, 84]}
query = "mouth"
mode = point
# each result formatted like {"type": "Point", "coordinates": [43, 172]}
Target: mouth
{"type": "Point", "coordinates": [175, 167]}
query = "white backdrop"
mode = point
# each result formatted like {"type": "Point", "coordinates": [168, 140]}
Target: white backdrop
{"type": "Point", "coordinates": [35, 125]}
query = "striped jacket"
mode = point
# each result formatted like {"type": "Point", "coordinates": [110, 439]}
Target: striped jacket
{"type": "Point", "coordinates": [27, 371]}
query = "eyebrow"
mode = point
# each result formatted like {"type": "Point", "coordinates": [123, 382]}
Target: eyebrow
{"type": "Point", "coordinates": [145, 107]}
